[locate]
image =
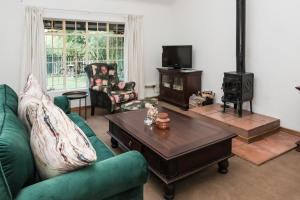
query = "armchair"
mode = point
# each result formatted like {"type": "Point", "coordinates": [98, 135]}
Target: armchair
{"type": "Point", "coordinates": [106, 90]}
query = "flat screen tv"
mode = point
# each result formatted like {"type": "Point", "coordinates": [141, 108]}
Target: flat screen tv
{"type": "Point", "coordinates": [177, 56]}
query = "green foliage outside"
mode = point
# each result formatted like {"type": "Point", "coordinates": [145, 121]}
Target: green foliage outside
{"type": "Point", "coordinates": [81, 50]}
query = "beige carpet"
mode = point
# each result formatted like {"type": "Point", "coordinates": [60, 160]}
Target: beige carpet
{"type": "Point", "coordinates": [276, 180]}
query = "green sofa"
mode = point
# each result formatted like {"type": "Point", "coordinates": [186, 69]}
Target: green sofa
{"type": "Point", "coordinates": [111, 178]}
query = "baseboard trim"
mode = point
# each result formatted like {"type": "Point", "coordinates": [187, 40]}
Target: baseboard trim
{"type": "Point", "coordinates": [290, 131]}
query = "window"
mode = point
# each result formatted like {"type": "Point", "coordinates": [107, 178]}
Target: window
{"type": "Point", "coordinates": [71, 45]}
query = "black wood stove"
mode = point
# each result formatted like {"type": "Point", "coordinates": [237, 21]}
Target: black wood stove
{"type": "Point", "coordinates": [238, 85]}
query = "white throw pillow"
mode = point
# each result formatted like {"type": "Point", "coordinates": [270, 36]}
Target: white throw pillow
{"type": "Point", "coordinates": [32, 87]}
{"type": "Point", "coordinates": [27, 109]}
{"type": "Point", "coordinates": [57, 143]}
{"type": "Point", "coordinates": [29, 100]}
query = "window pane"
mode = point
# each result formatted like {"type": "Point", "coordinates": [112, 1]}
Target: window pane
{"type": "Point", "coordinates": [70, 26]}
{"type": "Point", "coordinates": [120, 42]}
{"type": "Point", "coordinates": [102, 55]}
{"type": "Point", "coordinates": [58, 42]}
{"type": "Point", "coordinates": [71, 79]}
{"type": "Point", "coordinates": [102, 27]}
{"type": "Point", "coordinates": [113, 28]}
{"type": "Point", "coordinates": [102, 41]}
{"type": "Point", "coordinates": [121, 69]}
{"type": "Point", "coordinates": [48, 41]}
{"type": "Point", "coordinates": [112, 55]}
{"type": "Point", "coordinates": [76, 42]}
{"type": "Point", "coordinates": [47, 24]}
{"type": "Point", "coordinates": [57, 55]}
{"type": "Point", "coordinates": [80, 26]}
{"type": "Point", "coordinates": [57, 25]}
{"type": "Point", "coordinates": [112, 42]}
{"type": "Point", "coordinates": [92, 41]}
{"type": "Point", "coordinates": [70, 56]}
{"type": "Point", "coordinates": [92, 26]}
{"type": "Point", "coordinates": [119, 54]}
{"type": "Point", "coordinates": [121, 28]}
{"type": "Point", "coordinates": [49, 54]}
{"type": "Point", "coordinates": [93, 55]}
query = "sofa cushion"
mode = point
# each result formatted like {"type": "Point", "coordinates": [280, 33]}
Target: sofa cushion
{"type": "Point", "coordinates": [9, 97]}
{"type": "Point", "coordinates": [81, 124]}
{"type": "Point", "coordinates": [63, 103]}
{"type": "Point", "coordinates": [103, 152]}
{"type": "Point", "coordinates": [58, 145]}
{"type": "Point", "coordinates": [4, 188]}
{"type": "Point", "coordinates": [122, 96]}
{"type": "Point", "coordinates": [15, 154]}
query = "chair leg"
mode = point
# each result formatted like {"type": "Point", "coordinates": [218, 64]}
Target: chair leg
{"type": "Point", "coordinates": [251, 106]}
{"type": "Point", "coordinates": [93, 110]}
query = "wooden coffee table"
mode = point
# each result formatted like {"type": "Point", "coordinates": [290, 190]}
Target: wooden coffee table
{"type": "Point", "coordinates": [187, 147]}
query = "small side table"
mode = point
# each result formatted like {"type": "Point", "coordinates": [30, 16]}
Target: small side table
{"type": "Point", "coordinates": [78, 95]}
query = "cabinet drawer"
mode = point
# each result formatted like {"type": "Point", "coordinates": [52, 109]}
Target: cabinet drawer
{"type": "Point", "coordinates": [128, 141]}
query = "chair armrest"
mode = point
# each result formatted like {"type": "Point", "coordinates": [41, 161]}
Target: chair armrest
{"type": "Point", "coordinates": [105, 89]}
{"type": "Point", "coordinates": [129, 86]}
{"type": "Point", "coordinates": [63, 103]}
{"type": "Point", "coordinates": [99, 181]}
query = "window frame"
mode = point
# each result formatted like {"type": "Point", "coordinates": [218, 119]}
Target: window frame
{"type": "Point", "coordinates": [68, 15]}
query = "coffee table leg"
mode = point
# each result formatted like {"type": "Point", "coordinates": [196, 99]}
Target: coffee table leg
{"type": "Point", "coordinates": [114, 143]}
{"type": "Point", "coordinates": [169, 191]}
{"type": "Point", "coordinates": [223, 166]}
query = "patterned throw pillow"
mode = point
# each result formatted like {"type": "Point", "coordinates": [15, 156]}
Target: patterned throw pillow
{"type": "Point", "coordinates": [27, 109]}
{"type": "Point", "coordinates": [57, 143]}
{"type": "Point", "coordinates": [29, 101]}
{"type": "Point", "coordinates": [32, 87]}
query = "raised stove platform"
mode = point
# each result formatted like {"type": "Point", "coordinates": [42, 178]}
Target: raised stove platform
{"type": "Point", "coordinates": [251, 127]}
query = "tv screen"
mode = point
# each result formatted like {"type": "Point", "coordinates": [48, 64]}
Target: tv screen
{"type": "Point", "coordinates": [177, 56]}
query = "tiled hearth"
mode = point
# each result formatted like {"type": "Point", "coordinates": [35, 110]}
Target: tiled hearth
{"type": "Point", "coordinates": [250, 127]}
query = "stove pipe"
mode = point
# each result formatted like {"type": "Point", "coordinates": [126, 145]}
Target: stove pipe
{"type": "Point", "coordinates": [240, 35]}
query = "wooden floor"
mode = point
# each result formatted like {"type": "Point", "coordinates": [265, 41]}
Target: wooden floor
{"type": "Point", "coordinates": [250, 127]}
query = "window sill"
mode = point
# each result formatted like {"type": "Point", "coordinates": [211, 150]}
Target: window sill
{"type": "Point", "coordinates": [60, 92]}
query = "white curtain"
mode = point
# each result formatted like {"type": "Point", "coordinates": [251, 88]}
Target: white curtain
{"type": "Point", "coordinates": [135, 53]}
{"type": "Point", "coordinates": [34, 56]}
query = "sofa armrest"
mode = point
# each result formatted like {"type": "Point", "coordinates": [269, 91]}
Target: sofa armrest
{"type": "Point", "coordinates": [99, 181]}
{"type": "Point", "coordinates": [63, 103]}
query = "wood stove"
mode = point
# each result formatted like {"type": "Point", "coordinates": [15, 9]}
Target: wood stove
{"type": "Point", "coordinates": [238, 85]}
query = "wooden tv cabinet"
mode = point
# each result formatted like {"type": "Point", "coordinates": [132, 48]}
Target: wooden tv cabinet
{"type": "Point", "coordinates": [176, 85]}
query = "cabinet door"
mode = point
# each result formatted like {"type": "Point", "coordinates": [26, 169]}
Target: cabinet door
{"type": "Point", "coordinates": [178, 83]}
{"type": "Point", "coordinates": [166, 81]}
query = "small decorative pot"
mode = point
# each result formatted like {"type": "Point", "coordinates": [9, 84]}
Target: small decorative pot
{"type": "Point", "coordinates": [163, 121]}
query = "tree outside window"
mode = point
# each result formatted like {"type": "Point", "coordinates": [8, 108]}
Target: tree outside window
{"type": "Point", "coordinates": [71, 45]}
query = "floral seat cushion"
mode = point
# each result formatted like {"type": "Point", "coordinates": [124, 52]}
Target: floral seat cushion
{"type": "Point", "coordinates": [122, 96]}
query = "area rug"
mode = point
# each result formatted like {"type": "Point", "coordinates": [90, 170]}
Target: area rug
{"type": "Point", "coordinates": [266, 149]}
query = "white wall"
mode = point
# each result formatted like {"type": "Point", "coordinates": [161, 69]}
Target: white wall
{"type": "Point", "coordinates": [273, 49]}
{"type": "Point", "coordinates": [157, 28]}
{"type": "Point", "coordinates": [273, 43]}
